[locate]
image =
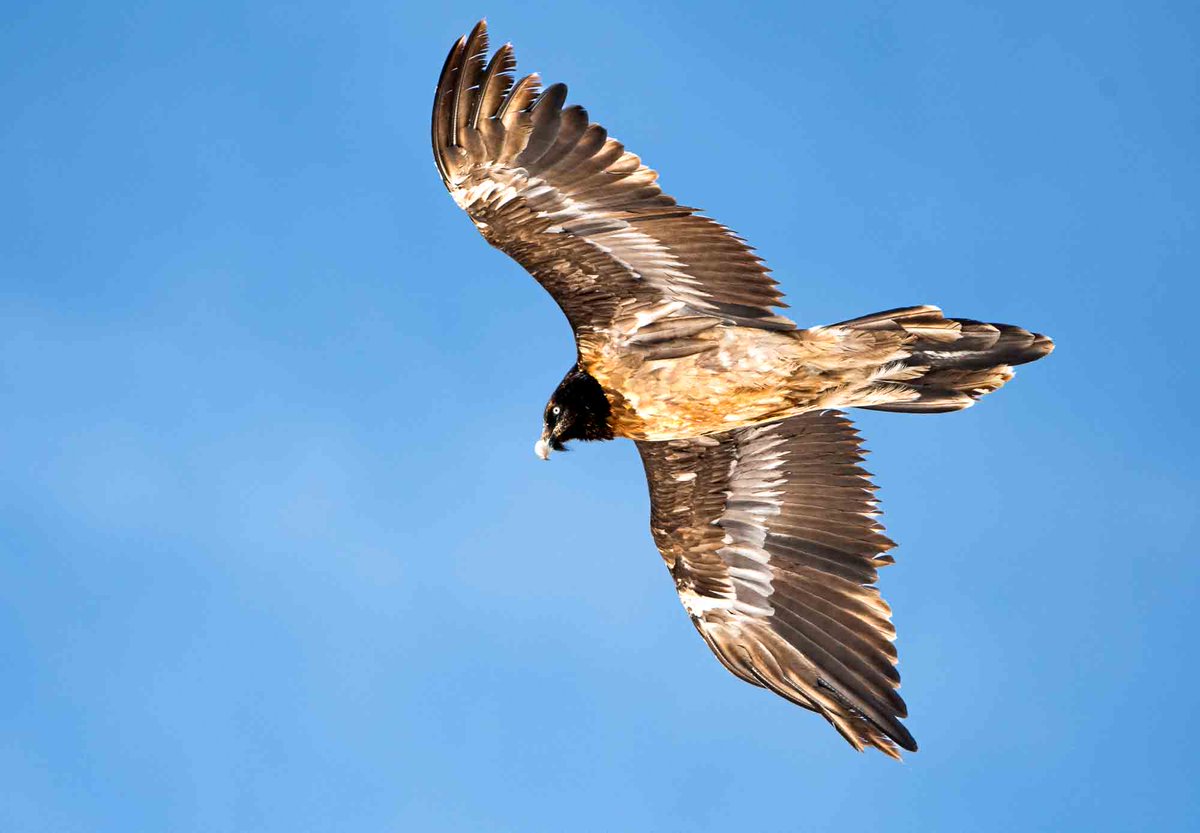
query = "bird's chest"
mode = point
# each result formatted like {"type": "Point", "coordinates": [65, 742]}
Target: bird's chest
{"type": "Point", "coordinates": [740, 379]}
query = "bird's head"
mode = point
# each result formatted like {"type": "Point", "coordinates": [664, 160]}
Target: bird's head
{"type": "Point", "coordinates": [577, 410]}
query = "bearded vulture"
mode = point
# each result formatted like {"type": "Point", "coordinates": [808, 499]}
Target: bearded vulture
{"type": "Point", "coordinates": [758, 504]}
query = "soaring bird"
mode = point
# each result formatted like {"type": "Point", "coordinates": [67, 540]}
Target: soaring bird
{"type": "Point", "coordinates": [758, 504]}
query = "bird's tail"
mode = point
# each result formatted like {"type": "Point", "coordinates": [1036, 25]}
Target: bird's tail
{"type": "Point", "coordinates": [944, 364]}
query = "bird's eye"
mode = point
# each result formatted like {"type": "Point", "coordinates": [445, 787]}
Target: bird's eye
{"type": "Point", "coordinates": [556, 411]}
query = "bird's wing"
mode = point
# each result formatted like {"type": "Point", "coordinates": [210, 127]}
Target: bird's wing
{"type": "Point", "coordinates": [581, 213]}
{"type": "Point", "coordinates": [769, 533]}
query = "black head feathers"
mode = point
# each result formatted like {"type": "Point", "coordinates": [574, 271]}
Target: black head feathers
{"type": "Point", "coordinates": [577, 410]}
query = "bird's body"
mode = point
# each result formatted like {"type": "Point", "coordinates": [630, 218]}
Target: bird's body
{"type": "Point", "coordinates": [728, 377]}
{"type": "Point", "coordinates": [758, 505]}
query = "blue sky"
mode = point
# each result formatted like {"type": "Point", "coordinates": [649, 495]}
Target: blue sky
{"type": "Point", "coordinates": [275, 553]}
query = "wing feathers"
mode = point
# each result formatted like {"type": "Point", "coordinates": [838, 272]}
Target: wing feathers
{"type": "Point", "coordinates": [546, 114]}
{"type": "Point", "coordinates": [578, 210]}
{"type": "Point", "coordinates": [497, 80]}
{"type": "Point", "coordinates": [838, 665]}
{"type": "Point", "coordinates": [573, 123]}
{"type": "Point", "coordinates": [469, 71]}
{"type": "Point", "coordinates": [771, 537]}
{"type": "Point", "coordinates": [846, 612]}
{"type": "Point", "coordinates": [442, 116]}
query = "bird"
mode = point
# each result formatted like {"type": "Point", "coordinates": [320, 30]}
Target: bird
{"type": "Point", "coordinates": [759, 505]}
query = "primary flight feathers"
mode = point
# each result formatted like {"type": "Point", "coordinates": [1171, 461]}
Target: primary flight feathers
{"type": "Point", "coordinates": [536, 176]}
{"type": "Point", "coordinates": [758, 504]}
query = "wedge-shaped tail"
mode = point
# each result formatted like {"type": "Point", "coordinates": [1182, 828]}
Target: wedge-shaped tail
{"type": "Point", "coordinates": [950, 362]}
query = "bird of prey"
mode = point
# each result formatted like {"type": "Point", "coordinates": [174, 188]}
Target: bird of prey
{"type": "Point", "coordinates": [758, 504]}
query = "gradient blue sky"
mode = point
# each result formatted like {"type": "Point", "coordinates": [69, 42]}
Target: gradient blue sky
{"type": "Point", "coordinates": [276, 555]}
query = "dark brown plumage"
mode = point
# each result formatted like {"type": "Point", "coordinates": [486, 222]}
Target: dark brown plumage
{"type": "Point", "coordinates": [758, 504]}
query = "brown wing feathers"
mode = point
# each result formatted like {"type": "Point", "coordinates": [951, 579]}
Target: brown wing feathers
{"type": "Point", "coordinates": [770, 535]}
{"type": "Point", "coordinates": [580, 212]}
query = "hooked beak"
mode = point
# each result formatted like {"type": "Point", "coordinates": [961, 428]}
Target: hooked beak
{"type": "Point", "coordinates": [542, 447]}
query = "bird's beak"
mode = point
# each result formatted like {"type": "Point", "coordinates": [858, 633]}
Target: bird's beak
{"type": "Point", "coordinates": [542, 448]}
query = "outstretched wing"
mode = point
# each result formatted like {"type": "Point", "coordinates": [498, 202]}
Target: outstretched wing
{"type": "Point", "coordinates": [769, 533]}
{"type": "Point", "coordinates": [578, 211]}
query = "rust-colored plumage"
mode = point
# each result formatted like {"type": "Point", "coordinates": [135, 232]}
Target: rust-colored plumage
{"type": "Point", "coordinates": [758, 504]}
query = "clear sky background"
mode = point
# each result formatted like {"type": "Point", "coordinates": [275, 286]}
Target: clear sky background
{"type": "Point", "coordinates": [275, 552]}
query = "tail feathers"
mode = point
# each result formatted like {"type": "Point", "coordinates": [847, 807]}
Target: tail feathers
{"type": "Point", "coordinates": [951, 362]}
